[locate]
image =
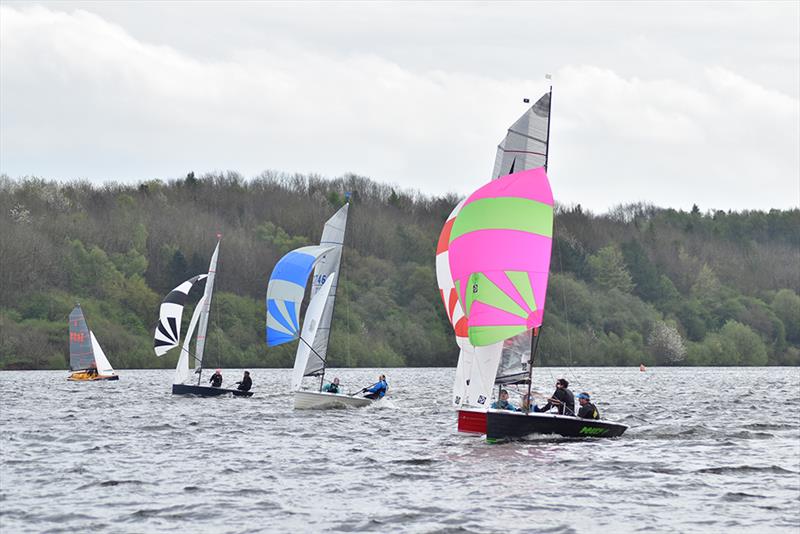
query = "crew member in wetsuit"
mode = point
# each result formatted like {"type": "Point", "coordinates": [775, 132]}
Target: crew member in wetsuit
{"type": "Point", "coordinates": [333, 387]}
{"type": "Point", "coordinates": [562, 398]}
{"type": "Point", "coordinates": [216, 379]}
{"type": "Point", "coordinates": [587, 409]}
{"type": "Point", "coordinates": [503, 403]}
{"type": "Point", "coordinates": [378, 390]}
{"type": "Point", "coordinates": [246, 382]}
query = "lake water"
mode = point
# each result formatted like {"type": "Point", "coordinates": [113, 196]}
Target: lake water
{"type": "Point", "coordinates": [709, 450]}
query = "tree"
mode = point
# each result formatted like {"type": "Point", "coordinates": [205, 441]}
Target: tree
{"type": "Point", "coordinates": [609, 271]}
{"type": "Point", "coordinates": [786, 305]}
{"type": "Point", "coordinates": [665, 344]}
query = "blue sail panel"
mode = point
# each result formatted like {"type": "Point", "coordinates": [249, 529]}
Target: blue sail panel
{"type": "Point", "coordinates": [285, 291]}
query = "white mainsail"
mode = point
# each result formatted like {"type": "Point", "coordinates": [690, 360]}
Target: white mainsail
{"type": "Point", "coordinates": [182, 371]}
{"type": "Point", "coordinates": [327, 268]}
{"type": "Point", "coordinates": [306, 357]}
{"type": "Point", "coordinates": [206, 308]}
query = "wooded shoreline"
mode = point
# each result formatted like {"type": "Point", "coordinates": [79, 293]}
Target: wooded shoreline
{"type": "Point", "coordinates": [638, 284]}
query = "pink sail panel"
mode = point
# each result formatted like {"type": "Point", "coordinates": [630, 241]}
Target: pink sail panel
{"type": "Point", "coordinates": [499, 255]}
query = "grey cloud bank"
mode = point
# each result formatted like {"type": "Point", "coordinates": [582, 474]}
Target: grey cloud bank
{"type": "Point", "coordinates": [672, 104]}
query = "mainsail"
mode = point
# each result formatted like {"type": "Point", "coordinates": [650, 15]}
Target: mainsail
{"type": "Point", "coordinates": [81, 352]}
{"type": "Point", "coordinates": [525, 145]}
{"type": "Point", "coordinates": [205, 309]}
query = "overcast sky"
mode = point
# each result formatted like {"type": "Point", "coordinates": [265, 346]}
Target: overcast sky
{"type": "Point", "coordinates": [672, 103]}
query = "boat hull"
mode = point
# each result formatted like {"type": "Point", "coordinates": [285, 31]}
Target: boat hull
{"type": "Point", "coordinates": [316, 400]}
{"type": "Point", "coordinates": [505, 425]}
{"type": "Point", "coordinates": [85, 377]}
{"type": "Point", "coordinates": [207, 391]}
{"type": "Point", "coordinates": [472, 421]}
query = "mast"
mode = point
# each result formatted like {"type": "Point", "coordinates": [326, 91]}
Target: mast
{"type": "Point", "coordinates": [203, 323]}
{"type": "Point", "coordinates": [549, 118]}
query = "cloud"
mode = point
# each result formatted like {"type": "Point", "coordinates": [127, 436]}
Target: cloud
{"type": "Point", "coordinates": [83, 97]}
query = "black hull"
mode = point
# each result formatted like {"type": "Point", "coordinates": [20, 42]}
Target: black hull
{"type": "Point", "coordinates": [510, 425]}
{"type": "Point", "coordinates": [207, 391]}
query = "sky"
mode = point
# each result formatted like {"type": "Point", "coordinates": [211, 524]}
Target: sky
{"type": "Point", "coordinates": [669, 103]}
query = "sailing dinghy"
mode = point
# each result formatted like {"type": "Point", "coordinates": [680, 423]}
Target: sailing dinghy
{"type": "Point", "coordinates": [497, 244]}
{"type": "Point", "coordinates": [87, 361]}
{"type": "Point", "coordinates": [168, 335]}
{"type": "Point", "coordinates": [285, 292]}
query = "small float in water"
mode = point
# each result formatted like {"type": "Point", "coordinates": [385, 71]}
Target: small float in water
{"type": "Point", "coordinates": [642, 368]}
{"type": "Point", "coordinates": [168, 335]}
{"type": "Point", "coordinates": [87, 361]}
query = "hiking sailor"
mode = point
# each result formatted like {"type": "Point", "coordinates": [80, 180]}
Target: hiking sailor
{"type": "Point", "coordinates": [562, 398]}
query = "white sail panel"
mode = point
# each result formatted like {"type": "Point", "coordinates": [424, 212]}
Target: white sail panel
{"type": "Point", "coordinates": [100, 359]}
{"type": "Point", "coordinates": [525, 145]}
{"type": "Point", "coordinates": [327, 267]}
{"type": "Point", "coordinates": [485, 361]}
{"type": "Point", "coordinates": [206, 309]}
{"type": "Point", "coordinates": [182, 371]}
{"type": "Point", "coordinates": [306, 360]}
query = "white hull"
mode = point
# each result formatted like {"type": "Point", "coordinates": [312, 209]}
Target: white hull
{"type": "Point", "coordinates": [311, 400]}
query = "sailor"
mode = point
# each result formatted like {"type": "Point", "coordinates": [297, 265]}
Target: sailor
{"type": "Point", "coordinates": [503, 403]}
{"type": "Point", "coordinates": [587, 409]}
{"type": "Point", "coordinates": [562, 398]}
{"type": "Point", "coordinates": [245, 384]}
{"type": "Point", "coordinates": [377, 390]}
{"type": "Point", "coordinates": [92, 370]}
{"type": "Point", "coordinates": [216, 379]}
{"type": "Point", "coordinates": [526, 405]}
{"type": "Point", "coordinates": [333, 387]}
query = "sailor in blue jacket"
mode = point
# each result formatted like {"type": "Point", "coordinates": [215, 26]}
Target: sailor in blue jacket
{"type": "Point", "coordinates": [378, 390]}
{"type": "Point", "coordinates": [503, 403]}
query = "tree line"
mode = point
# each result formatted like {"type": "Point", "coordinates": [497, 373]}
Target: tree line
{"type": "Point", "coordinates": [638, 284]}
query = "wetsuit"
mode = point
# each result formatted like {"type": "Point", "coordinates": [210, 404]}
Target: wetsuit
{"type": "Point", "coordinates": [216, 380]}
{"type": "Point", "coordinates": [377, 391]}
{"type": "Point", "coordinates": [504, 405]}
{"type": "Point", "coordinates": [567, 400]}
{"type": "Point", "coordinates": [245, 384]}
{"type": "Point", "coordinates": [330, 388]}
{"type": "Point", "coordinates": [589, 411]}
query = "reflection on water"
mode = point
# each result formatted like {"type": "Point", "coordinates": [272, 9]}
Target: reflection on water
{"type": "Point", "coordinates": [708, 450]}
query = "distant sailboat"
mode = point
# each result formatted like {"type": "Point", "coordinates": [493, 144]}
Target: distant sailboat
{"type": "Point", "coordinates": [168, 335]}
{"type": "Point", "coordinates": [87, 361]}
{"type": "Point", "coordinates": [285, 292]}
